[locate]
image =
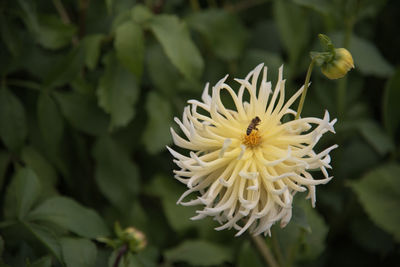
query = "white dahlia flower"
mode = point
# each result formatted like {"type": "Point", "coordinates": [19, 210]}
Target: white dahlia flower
{"type": "Point", "coordinates": [245, 164]}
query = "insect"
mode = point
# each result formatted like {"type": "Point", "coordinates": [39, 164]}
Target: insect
{"type": "Point", "coordinates": [253, 125]}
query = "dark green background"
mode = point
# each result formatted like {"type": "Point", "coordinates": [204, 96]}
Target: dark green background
{"type": "Point", "coordinates": [88, 93]}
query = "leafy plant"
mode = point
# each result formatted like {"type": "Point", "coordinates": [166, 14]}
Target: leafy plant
{"type": "Point", "coordinates": [88, 93]}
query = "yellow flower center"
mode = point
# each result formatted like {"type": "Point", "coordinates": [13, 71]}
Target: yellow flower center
{"type": "Point", "coordinates": [252, 140]}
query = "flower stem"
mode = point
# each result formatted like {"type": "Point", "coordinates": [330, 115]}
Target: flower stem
{"type": "Point", "coordinates": [303, 95]}
{"type": "Point", "coordinates": [120, 254]}
{"type": "Point", "coordinates": [265, 251]}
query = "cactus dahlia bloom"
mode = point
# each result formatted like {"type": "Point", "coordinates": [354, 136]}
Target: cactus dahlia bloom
{"type": "Point", "coordinates": [246, 173]}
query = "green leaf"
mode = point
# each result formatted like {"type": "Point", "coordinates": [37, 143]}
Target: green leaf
{"type": "Point", "coordinates": [34, 56]}
{"type": "Point", "coordinates": [82, 112]}
{"type": "Point", "coordinates": [92, 45]}
{"type": "Point", "coordinates": [50, 121]}
{"type": "Point", "coordinates": [49, 31]}
{"type": "Point", "coordinates": [4, 162]}
{"type": "Point", "coordinates": [116, 175]}
{"type": "Point", "coordinates": [129, 45]}
{"type": "Point", "coordinates": [299, 217]}
{"type": "Point", "coordinates": [306, 240]}
{"type": "Point", "coordinates": [146, 258]}
{"type": "Point", "coordinates": [46, 237]}
{"type": "Point", "coordinates": [322, 6]}
{"type": "Point", "coordinates": [156, 134]}
{"type": "Point", "coordinates": [288, 239]}
{"type": "Point", "coordinates": [379, 194]}
{"type": "Point", "coordinates": [351, 163]}
{"type": "Point", "coordinates": [66, 68]}
{"type": "Point", "coordinates": [376, 241]}
{"type": "Point", "coordinates": [375, 135]}
{"type": "Point", "coordinates": [12, 120]}
{"type": "Point", "coordinates": [78, 252]}
{"type": "Point", "coordinates": [83, 86]}
{"type": "Point", "coordinates": [368, 59]}
{"type": "Point", "coordinates": [22, 193]}
{"type": "Point", "coordinates": [163, 74]}
{"type": "Point", "coordinates": [69, 214]}
{"type": "Point", "coordinates": [248, 256]}
{"type": "Point", "coordinates": [29, 15]}
{"type": "Point", "coordinates": [42, 262]}
{"type": "Point", "coordinates": [314, 239]}
{"type": "Point", "coordinates": [117, 92]}
{"type": "Point", "coordinates": [121, 18]}
{"type": "Point", "coordinates": [200, 253]}
{"type": "Point", "coordinates": [223, 32]}
{"type": "Point", "coordinates": [141, 14]}
{"type": "Point", "coordinates": [53, 33]}
{"type": "Point", "coordinates": [42, 168]}
{"type": "Point", "coordinates": [391, 110]}
{"type": "Point", "coordinates": [9, 36]}
{"type": "Point", "coordinates": [174, 37]}
{"type": "Point", "coordinates": [168, 190]}
{"type": "Point", "coordinates": [293, 28]}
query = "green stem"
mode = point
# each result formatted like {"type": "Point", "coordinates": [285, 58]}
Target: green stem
{"type": "Point", "coordinates": [120, 254]}
{"type": "Point", "coordinates": [303, 95]}
{"type": "Point", "coordinates": [265, 251]}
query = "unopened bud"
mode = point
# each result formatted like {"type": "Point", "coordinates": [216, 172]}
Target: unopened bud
{"type": "Point", "coordinates": [339, 66]}
{"type": "Point", "coordinates": [131, 237]}
{"type": "Point", "coordinates": [135, 239]}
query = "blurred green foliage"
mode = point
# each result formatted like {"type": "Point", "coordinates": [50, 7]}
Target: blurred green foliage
{"type": "Point", "coordinates": [88, 94]}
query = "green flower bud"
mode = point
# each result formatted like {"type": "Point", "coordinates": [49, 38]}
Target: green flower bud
{"type": "Point", "coordinates": [129, 237]}
{"type": "Point", "coordinates": [339, 66]}
{"type": "Point", "coordinates": [135, 239]}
